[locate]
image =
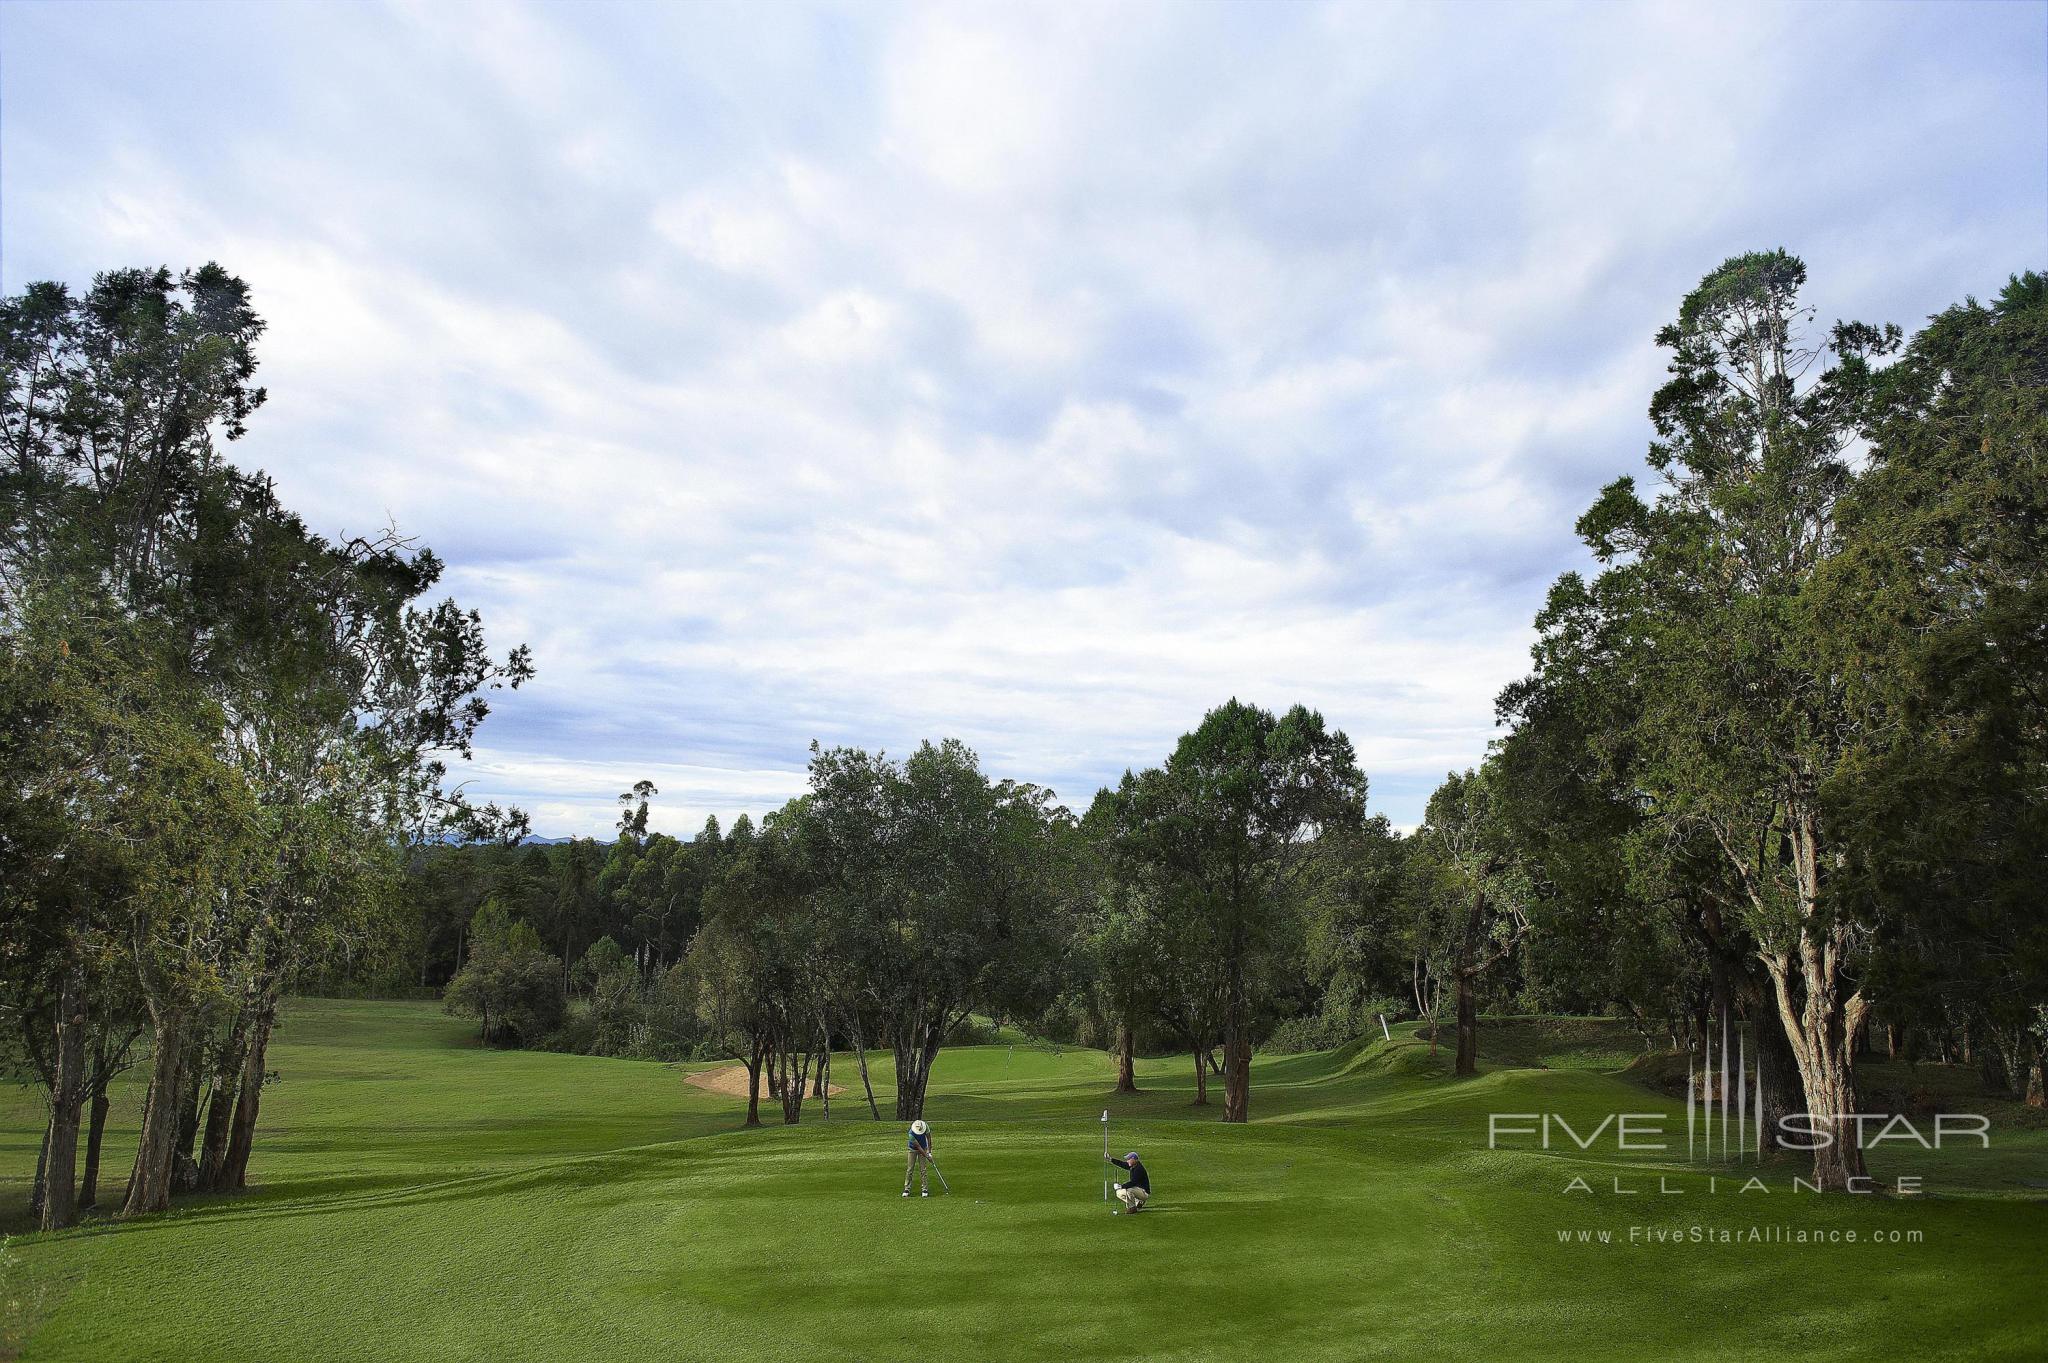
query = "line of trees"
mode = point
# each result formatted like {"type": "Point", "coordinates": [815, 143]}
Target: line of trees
{"type": "Point", "coordinates": [217, 728]}
{"type": "Point", "coordinates": [1780, 761]}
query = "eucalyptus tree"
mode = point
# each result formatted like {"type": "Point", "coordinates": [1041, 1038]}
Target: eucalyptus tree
{"type": "Point", "coordinates": [1121, 954]}
{"type": "Point", "coordinates": [761, 955]}
{"type": "Point", "coordinates": [1351, 926]}
{"type": "Point", "coordinates": [952, 892]}
{"type": "Point", "coordinates": [333, 694]}
{"type": "Point", "coordinates": [1632, 893]}
{"type": "Point", "coordinates": [124, 836]}
{"type": "Point", "coordinates": [344, 695]}
{"type": "Point", "coordinates": [1225, 829]}
{"type": "Point", "coordinates": [1465, 833]}
{"type": "Point", "coordinates": [1740, 726]}
{"type": "Point", "coordinates": [1938, 614]}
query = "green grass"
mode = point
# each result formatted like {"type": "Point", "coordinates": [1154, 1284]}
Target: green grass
{"type": "Point", "coordinates": [424, 1199]}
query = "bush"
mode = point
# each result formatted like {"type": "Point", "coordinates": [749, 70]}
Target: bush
{"type": "Point", "coordinates": [510, 983]}
{"type": "Point", "coordinates": [604, 958]}
{"type": "Point", "coordinates": [669, 1027]}
{"type": "Point", "coordinates": [1339, 1022]}
{"type": "Point", "coordinates": [615, 1011]}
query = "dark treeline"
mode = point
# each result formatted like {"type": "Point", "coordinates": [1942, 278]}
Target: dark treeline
{"type": "Point", "coordinates": [1778, 765]}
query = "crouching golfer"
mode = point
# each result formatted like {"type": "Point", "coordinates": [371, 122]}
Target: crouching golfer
{"type": "Point", "coordinates": [1134, 1190]}
{"type": "Point", "coordinates": [920, 1162]}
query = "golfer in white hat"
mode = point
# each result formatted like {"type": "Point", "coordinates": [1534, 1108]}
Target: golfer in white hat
{"type": "Point", "coordinates": [920, 1162]}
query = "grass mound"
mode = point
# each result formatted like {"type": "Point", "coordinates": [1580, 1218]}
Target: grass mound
{"type": "Point", "coordinates": [1549, 1043]}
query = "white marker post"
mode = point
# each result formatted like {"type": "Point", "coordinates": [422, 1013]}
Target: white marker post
{"type": "Point", "coordinates": [1383, 1028]}
{"type": "Point", "coordinates": [1105, 1154]}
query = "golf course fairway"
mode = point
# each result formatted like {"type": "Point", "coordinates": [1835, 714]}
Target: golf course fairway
{"type": "Point", "coordinates": [421, 1198]}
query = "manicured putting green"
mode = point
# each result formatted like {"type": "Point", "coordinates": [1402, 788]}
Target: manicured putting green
{"type": "Point", "coordinates": [423, 1199]}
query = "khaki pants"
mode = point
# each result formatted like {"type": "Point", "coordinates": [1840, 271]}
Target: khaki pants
{"type": "Point", "coordinates": [920, 1164]}
{"type": "Point", "coordinates": [1134, 1198]}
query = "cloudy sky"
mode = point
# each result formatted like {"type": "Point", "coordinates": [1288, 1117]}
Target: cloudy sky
{"type": "Point", "coordinates": [1037, 374]}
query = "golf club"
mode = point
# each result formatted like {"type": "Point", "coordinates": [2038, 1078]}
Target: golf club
{"type": "Point", "coordinates": [941, 1173]}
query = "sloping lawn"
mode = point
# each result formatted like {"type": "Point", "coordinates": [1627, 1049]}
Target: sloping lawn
{"type": "Point", "coordinates": [424, 1199]}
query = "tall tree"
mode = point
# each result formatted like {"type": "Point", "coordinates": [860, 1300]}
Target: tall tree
{"type": "Point", "coordinates": [330, 690]}
{"type": "Point", "coordinates": [951, 888]}
{"type": "Point", "coordinates": [1465, 832]}
{"type": "Point", "coordinates": [121, 832]}
{"type": "Point", "coordinates": [1226, 826]}
{"type": "Point", "coordinates": [1742, 728]}
{"type": "Point", "coordinates": [1938, 607]}
{"type": "Point", "coordinates": [761, 954]}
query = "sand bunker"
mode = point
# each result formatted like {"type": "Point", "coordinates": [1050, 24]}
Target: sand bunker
{"type": "Point", "coordinates": [731, 1080]}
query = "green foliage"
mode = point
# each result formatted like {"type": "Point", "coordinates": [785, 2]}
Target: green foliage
{"type": "Point", "coordinates": [510, 983]}
{"type": "Point", "coordinates": [315, 695]}
{"type": "Point", "coordinates": [604, 959]}
{"type": "Point", "coordinates": [1345, 1016]}
{"type": "Point", "coordinates": [124, 831]}
{"type": "Point", "coordinates": [1218, 840]}
{"type": "Point", "coordinates": [942, 893]}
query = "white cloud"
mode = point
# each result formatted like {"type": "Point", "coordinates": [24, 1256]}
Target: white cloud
{"type": "Point", "coordinates": [1039, 375]}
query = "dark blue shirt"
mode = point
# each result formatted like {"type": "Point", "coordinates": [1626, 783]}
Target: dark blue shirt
{"type": "Point", "coordinates": [924, 1141]}
{"type": "Point", "coordinates": [1138, 1178]}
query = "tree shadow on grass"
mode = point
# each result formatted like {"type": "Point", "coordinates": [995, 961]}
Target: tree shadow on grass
{"type": "Point", "coordinates": [609, 1170]}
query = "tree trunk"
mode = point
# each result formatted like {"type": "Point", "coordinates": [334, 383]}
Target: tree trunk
{"type": "Point", "coordinates": [1201, 1076]}
{"type": "Point", "coordinates": [754, 1085]}
{"type": "Point", "coordinates": [35, 1188]}
{"type": "Point", "coordinates": [1126, 1077]}
{"type": "Point", "coordinates": [1821, 1016]}
{"type": "Point", "coordinates": [89, 1182]}
{"type": "Point", "coordinates": [221, 1103]}
{"type": "Point", "coordinates": [1819, 1028]}
{"type": "Point", "coordinates": [184, 1168]}
{"type": "Point", "coordinates": [67, 1100]}
{"type": "Point", "coordinates": [795, 1081]}
{"type": "Point", "coordinates": [1777, 1069]}
{"type": "Point", "coordinates": [1720, 993]}
{"type": "Point", "coordinates": [1468, 1027]}
{"type": "Point", "coordinates": [1237, 1041]}
{"type": "Point", "coordinates": [860, 1059]}
{"type": "Point", "coordinates": [915, 1054]}
{"type": "Point", "coordinates": [1468, 1005]}
{"type": "Point", "coordinates": [149, 1186]}
{"type": "Point", "coordinates": [248, 1097]}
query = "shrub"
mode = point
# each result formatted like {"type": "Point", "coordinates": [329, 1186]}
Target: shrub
{"type": "Point", "coordinates": [510, 983]}
{"type": "Point", "coordinates": [1340, 1021]}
